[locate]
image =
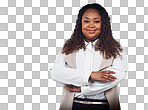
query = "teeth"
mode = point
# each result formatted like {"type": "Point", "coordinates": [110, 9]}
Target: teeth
{"type": "Point", "coordinates": [91, 31]}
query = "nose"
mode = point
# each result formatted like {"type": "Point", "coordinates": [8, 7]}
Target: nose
{"type": "Point", "coordinates": [91, 25]}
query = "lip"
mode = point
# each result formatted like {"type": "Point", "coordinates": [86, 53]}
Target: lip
{"type": "Point", "coordinates": [91, 31]}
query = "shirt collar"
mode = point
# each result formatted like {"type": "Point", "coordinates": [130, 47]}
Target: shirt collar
{"type": "Point", "coordinates": [90, 46]}
{"type": "Point", "coordinates": [86, 43]}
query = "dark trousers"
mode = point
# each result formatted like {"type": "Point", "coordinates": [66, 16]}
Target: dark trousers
{"type": "Point", "coordinates": [81, 106]}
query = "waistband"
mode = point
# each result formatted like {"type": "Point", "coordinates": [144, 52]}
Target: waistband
{"type": "Point", "coordinates": [90, 101]}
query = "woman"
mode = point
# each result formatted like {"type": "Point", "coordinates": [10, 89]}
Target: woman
{"type": "Point", "coordinates": [92, 43]}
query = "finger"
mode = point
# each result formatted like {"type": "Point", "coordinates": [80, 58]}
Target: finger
{"type": "Point", "coordinates": [113, 77]}
{"type": "Point", "coordinates": [74, 90]}
{"type": "Point", "coordinates": [106, 80]}
{"type": "Point", "coordinates": [107, 72]}
{"type": "Point", "coordinates": [109, 75]}
{"type": "Point", "coordinates": [77, 89]}
{"type": "Point", "coordinates": [68, 88]}
{"type": "Point", "coordinates": [109, 78]}
{"type": "Point", "coordinates": [112, 72]}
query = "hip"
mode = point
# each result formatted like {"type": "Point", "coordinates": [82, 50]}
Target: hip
{"type": "Point", "coordinates": [90, 104]}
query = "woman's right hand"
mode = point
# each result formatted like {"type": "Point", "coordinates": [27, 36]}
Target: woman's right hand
{"type": "Point", "coordinates": [103, 76]}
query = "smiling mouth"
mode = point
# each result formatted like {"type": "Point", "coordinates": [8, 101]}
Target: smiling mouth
{"type": "Point", "coordinates": [91, 31]}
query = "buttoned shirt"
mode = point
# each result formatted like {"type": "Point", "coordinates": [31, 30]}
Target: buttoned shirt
{"type": "Point", "coordinates": [86, 62]}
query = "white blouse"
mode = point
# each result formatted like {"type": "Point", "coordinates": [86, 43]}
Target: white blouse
{"type": "Point", "coordinates": [86, 62]}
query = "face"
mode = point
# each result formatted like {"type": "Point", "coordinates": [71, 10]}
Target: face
{"type": "Point", "coordinates": [91, 24]}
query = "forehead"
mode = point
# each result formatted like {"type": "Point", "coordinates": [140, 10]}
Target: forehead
{"type": "Point", "coordinates": [91, 13]}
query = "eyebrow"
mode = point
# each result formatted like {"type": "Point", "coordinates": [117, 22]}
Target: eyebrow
{"type": "Point", "coordinates": [94, 18]}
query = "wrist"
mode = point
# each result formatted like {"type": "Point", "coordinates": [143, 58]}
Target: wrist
{"type": "Point", "coordinates": [92, 76]}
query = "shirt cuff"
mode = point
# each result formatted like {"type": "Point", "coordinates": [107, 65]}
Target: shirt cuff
{"type": "Point", "coordinates": [84, 89]}
{"type": "Point", "coordinates": [87, 77]}
{"type": "Point", "coordinates": [120, 74]}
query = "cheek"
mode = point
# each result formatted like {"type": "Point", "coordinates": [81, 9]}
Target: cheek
{"type": "Point", "coordinates": [99, 26]}
{"type": "Point", "coordinates": [83, 28]}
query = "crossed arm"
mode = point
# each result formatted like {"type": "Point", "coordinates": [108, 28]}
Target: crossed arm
{"type": "Point", "coordinates": [79, 79]}
{"type": "Point", "coordinates": [95, 76]}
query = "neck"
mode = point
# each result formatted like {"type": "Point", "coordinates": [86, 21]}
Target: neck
{"type": "Point", "coordinates": [89, 40]}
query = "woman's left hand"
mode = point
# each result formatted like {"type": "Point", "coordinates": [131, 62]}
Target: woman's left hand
{"type": "Point", "coordinates": [74, 88]}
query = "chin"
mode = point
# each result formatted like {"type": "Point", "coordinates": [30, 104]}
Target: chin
{"type": "Point", "coordinates": [92, 38]}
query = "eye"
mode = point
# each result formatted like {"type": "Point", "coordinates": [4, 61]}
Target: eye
{"type": "Point", "coordinates": [96, 21]}
{"type": "Point", "coordinates": [86, 21]}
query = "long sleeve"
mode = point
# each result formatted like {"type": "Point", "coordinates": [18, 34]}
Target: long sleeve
{"type": "Point", "coordinates": [66, 75]}
{"type": "Point", "coordinates": [120, 66]}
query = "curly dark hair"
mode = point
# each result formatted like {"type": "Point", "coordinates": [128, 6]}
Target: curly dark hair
{"type": "Point", "coordinates": [106, 44]}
